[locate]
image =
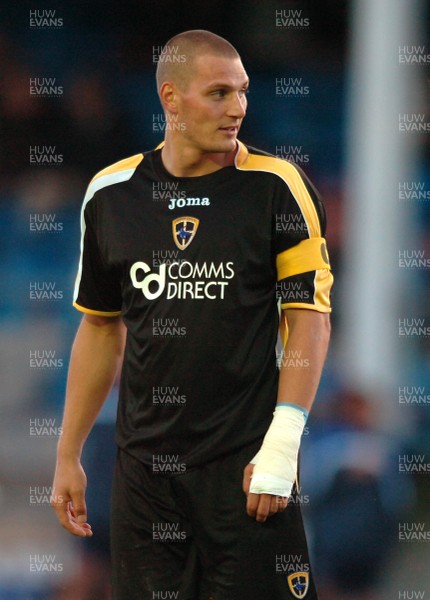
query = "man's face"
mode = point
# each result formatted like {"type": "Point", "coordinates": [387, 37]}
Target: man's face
{"type": "Point", "coordinates": [212, 107]}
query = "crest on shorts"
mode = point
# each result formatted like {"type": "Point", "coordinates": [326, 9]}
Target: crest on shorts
{"type": "Point", "coordinates": [299, 584]}
{"type": "Point", "coordinates": [184, 230]}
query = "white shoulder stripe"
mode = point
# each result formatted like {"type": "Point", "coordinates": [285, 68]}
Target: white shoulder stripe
{"type": "Point", "coordinates": [105, 180]}
{"type": "Point", "coordinates": [96, 185]}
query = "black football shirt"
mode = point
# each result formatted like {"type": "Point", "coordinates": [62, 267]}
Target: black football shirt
{"type": "Point", "coordinates": [197, 267]}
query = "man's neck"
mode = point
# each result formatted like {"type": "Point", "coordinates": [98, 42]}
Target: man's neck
{"type": "Point", "coordinates": [189, 163]}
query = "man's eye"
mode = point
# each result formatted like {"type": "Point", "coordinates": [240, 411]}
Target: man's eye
{"type": "Point", "coordinates": [219, 93]}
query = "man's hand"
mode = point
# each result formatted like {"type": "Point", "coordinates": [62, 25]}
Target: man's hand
{"type": "Point", "coordinates": [96, 356]}
{"type": "Point", "coordinates": [261, 506]}
{"type": "Point", "coordinates": [68, 497]}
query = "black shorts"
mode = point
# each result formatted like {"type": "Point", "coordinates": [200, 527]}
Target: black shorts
{"type": "Point", "coordinates": [188, 537]}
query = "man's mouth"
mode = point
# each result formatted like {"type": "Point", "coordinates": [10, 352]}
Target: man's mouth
{"type": "Point", "coordinates": [232, 130]}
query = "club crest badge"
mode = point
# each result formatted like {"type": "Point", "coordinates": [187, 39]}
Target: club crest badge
{"type": "Point", "coordinates": [184, 231]}
{"type": "Point", "coordinates": [299, 584]}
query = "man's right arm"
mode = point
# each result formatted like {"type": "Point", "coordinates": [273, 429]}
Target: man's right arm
{"type": "Point", "coordinates": [95, 359]}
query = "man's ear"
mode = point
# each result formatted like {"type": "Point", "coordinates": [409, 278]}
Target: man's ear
{"type": "Point", "coordinates": [169, 97]}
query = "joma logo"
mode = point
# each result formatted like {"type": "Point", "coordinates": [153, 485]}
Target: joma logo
{"type": "Point", "coordinates": [181, 202]}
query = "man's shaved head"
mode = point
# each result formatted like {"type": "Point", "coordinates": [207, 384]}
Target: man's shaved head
{"type": "Point", "coordinates": [177, 57]}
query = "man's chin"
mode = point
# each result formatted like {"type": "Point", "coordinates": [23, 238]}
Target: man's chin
{"type": "Point", "coordinates": [223, 147]}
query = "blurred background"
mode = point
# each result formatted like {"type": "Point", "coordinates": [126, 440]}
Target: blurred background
{"type": "Point", "coordinates": [342, 89]}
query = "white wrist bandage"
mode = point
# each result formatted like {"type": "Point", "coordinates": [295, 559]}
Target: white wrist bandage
{"type": "Point", "coordinates": [276, 462]}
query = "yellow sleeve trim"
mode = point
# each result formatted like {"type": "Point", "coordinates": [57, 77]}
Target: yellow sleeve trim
{"type": "Point", "coordinates": [308, 255]}
{"type": "Point", "coordinates": [322, 309]}
{"type": "Point", "coordinates": [290, 175]}
{"type": "Point", "coordinates": [98, 313]}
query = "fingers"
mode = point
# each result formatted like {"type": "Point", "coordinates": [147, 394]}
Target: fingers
{"type": "Point", "coordinates": [72, 514]}
{"type": "Point", "coordinates": [262, 506]}
{"type": "Point", "coordinates": [79, 521]}
{"type": "Point", "coordinates": [79, 507]}
{"type": "Point", "coordinates": [258, 506]}
{"type": "Point", "coordinates": [281, 503]}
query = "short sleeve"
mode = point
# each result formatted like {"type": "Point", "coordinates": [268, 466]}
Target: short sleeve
{"type": "Point", "coordinates": [98, 285]}
{"type": "Point", "coordinates": [304, 278]}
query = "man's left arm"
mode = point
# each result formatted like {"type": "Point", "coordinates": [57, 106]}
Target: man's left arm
{"type": "Point", "coordinates": [300, 372]}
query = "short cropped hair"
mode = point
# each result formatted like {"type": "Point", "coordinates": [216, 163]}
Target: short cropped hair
{"type": "Point", "coordinates": [179, 53]}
